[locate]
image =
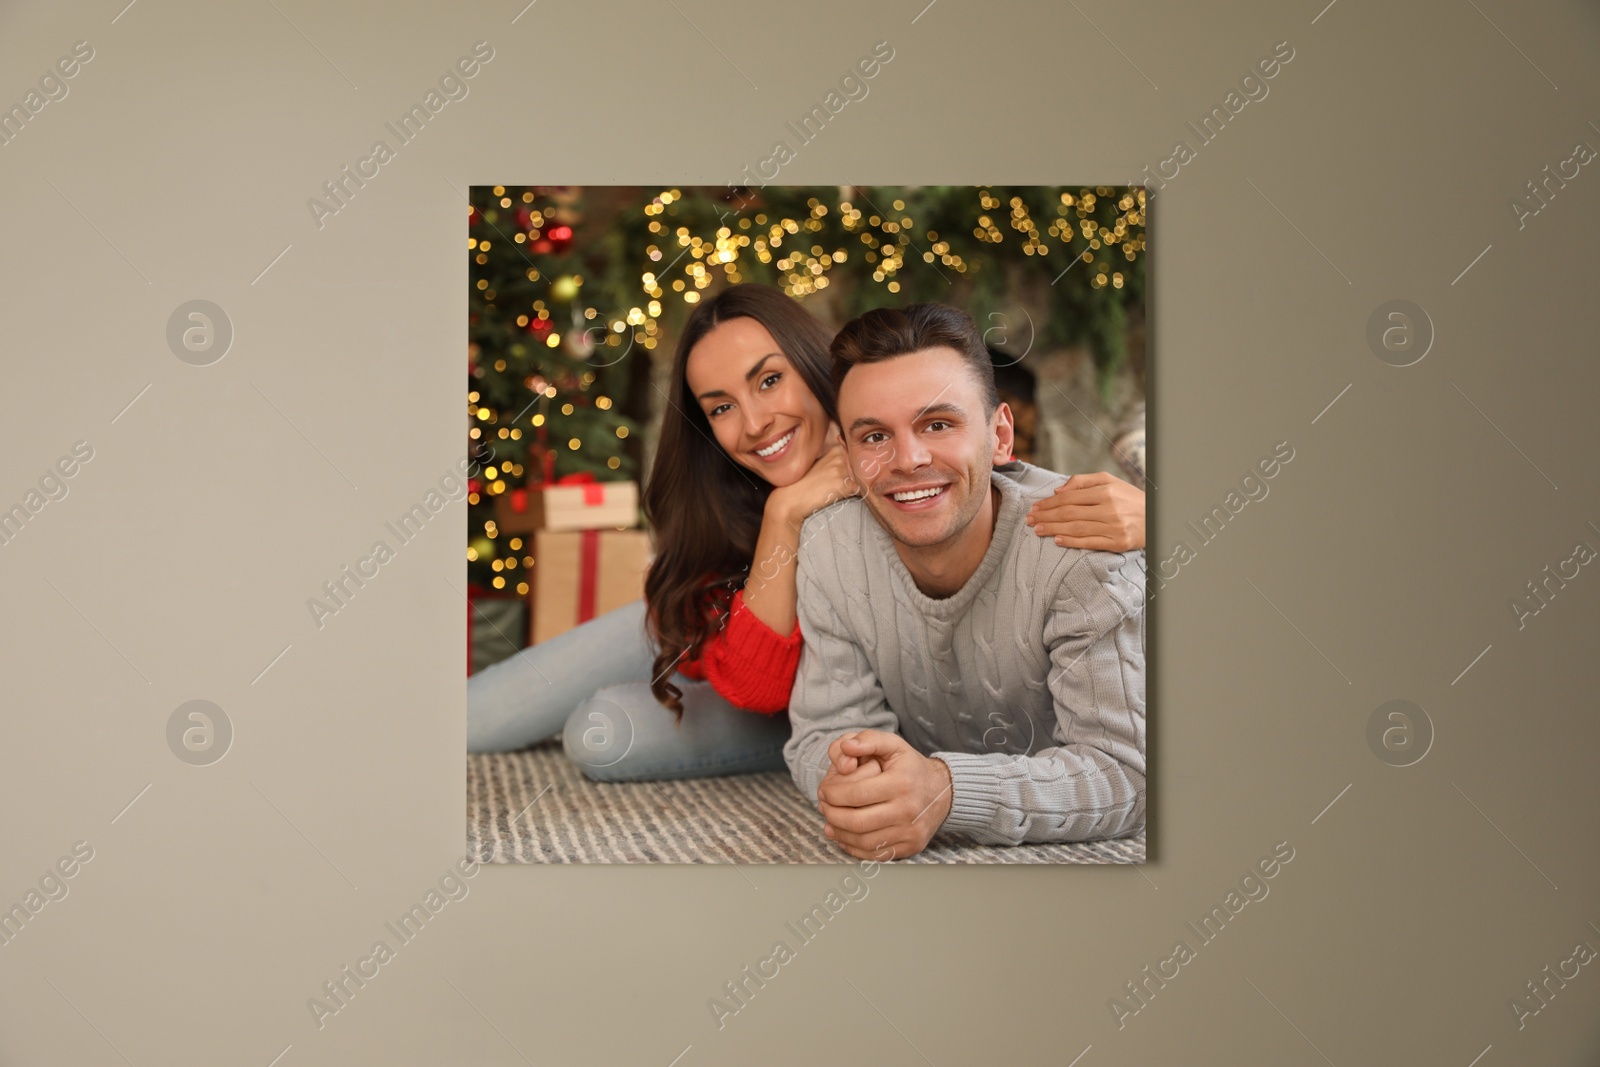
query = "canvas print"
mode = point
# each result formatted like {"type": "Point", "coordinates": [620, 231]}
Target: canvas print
{"type": "Point", "coordinates": [806, 524]}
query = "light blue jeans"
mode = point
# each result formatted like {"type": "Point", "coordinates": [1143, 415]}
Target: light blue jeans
{"type": "Point", "coordinates": [592, 686]}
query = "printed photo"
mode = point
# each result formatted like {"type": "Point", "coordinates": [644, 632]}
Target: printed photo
{"type": "Point", "coordinates": [806, 524]}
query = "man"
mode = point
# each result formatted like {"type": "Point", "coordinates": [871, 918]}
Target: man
{"type": "Point", "coordinates": [959, 672]}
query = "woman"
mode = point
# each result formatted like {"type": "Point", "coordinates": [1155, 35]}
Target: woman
{"type": "Point", "coordinates": [748, 450]}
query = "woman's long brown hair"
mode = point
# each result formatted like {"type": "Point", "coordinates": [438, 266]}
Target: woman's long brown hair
{"type": "Point", "coordinates": [704, 508]}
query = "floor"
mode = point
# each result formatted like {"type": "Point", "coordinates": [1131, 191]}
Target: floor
{"type": "Point", "coordinates": [535, 806]}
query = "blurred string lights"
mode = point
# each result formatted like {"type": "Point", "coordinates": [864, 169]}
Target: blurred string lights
{"type": "Point", "coordinates": [569, 285]}
{"type": "Point", "coordinates": [891, 239]}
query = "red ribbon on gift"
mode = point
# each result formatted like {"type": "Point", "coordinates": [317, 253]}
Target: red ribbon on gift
{"type": "Point", "coordinates": [588, 573]}
{"type": "Point", "coordinates": [594, 494]}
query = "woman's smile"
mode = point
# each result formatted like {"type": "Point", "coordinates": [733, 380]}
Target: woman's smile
{"type": "Point", "coordinates": [777, 447]}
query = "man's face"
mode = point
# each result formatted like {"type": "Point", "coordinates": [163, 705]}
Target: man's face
{"type": "Point", "coordinates": [920, 443]}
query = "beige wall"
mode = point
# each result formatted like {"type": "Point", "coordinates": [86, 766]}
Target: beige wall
{"type": "Point", "coordinates": [179, 166]}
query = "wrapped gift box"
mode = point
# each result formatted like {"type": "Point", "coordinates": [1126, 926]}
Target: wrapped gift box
{"type": "Point", "coordinates": [580, 574]}
{"type": "Point", "coordinates": [496, 622]}
{"type": "Point", "coordinates": [573, 503]}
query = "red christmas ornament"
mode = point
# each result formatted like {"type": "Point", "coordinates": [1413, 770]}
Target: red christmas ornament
{"type": "Point", "coordinates": [543, 246]}
{"type": "Point", "coordinates": [524, 219]}
{"type": "Point", "coordinates": [473, 218]}
{"type": "Point", "coordinates": [560, 237]}
{"type": "Point", "coordinates": [474, 486]}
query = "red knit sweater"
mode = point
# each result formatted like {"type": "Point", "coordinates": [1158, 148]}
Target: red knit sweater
{"type": "Point", "coordinates": [750, 664]}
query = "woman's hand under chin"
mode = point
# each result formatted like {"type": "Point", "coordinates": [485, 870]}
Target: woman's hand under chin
{"type": "Point", "coordinates": [828, 480]}
{"type": "Point", "coordinates": [1094, 511]}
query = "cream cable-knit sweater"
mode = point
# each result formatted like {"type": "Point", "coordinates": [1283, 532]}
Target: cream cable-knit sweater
{"type": "Point", "coordinates": [1028, 681]}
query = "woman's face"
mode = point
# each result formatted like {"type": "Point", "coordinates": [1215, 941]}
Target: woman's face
{"type": "Point", "coordinates": [759, 407]}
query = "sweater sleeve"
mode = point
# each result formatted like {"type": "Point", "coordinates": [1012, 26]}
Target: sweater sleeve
{"type": "Point", "coordinates": [749, 663]}
{"type": "Point", "coordinates": [1091, 785]}
{"type": "Point", "coordinates": [836, 689]}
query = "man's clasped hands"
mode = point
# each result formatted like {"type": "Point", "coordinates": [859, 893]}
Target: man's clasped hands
{"type": "Point", "coordinates": [881, 796]}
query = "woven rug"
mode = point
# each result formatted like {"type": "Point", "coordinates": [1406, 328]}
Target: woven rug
{"type": "Point", "coordinates": [535, 806]}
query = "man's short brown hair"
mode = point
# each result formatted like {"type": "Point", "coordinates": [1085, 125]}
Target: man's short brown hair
{"type": "Point", "coordinates": [889, 332]}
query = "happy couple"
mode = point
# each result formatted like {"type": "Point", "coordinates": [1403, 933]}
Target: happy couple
{"type": "Point", "coordinates": [845, 536]}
